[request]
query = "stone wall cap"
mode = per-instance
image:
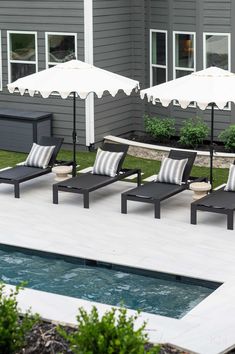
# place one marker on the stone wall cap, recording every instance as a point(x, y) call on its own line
point(164, 148)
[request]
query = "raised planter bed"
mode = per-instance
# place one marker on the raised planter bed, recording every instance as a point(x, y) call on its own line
point(44, 339)
point(157, 152)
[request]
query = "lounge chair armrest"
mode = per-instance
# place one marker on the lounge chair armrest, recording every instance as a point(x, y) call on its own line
point(220, 187)
point(193, 179)
point(125, 170)
point(64, 162)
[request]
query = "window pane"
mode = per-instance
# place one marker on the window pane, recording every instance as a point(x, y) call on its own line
point(22, 47)
point(159, 76)
point(184, 50)
point(159, 48)
point(181, 73)
point(21, 70)
point(217, 51)
point(61, 48)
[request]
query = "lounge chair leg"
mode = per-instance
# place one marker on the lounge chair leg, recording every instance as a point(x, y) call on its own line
point(86, 200)
point(55, 194)
point(157, 210)
point(123, 204)
point(230, 220)
point(139, 178)
point(17, 190)
point(193, 215)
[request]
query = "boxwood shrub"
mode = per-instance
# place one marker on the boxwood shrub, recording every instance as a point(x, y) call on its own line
point(13, 326)
point(162, 129)
point(228, 137)
point(112, 333)
point(193, 132)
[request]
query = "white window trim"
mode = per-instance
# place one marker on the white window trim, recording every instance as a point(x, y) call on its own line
point(58, 34)
point(217, 34)
point(150, 56)
point(194, 53)
point(21, 61)
point(228, 108)
point(192, 105)
point(0, 61)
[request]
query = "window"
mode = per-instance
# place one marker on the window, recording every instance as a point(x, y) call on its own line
point(184, 53)
point(217, 51)
point(158, 57)
point(60, 47)
point(22, 54)
point(0, 63)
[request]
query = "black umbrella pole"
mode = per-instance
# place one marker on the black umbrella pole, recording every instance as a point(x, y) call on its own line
point(74, 136)
point(212, 143)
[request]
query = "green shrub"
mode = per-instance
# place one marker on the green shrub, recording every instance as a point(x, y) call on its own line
point(159, 128)
point(228, 137)
point(113, 333)
point(13, 326)
point(193, 132)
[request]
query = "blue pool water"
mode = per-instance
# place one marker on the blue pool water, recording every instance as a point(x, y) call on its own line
point(152, 292)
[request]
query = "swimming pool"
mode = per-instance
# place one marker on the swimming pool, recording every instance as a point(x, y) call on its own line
point(149, 291)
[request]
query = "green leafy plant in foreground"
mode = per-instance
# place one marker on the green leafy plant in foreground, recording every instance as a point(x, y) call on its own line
point(161, 129)
point(228, 137)
point(13, 326)
point(113, 333)
point(193, 132)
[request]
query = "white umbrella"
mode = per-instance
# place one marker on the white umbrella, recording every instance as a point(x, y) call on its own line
point(210, 87)
point(73, 78)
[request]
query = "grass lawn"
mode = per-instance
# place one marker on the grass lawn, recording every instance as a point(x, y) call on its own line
point(85, 159)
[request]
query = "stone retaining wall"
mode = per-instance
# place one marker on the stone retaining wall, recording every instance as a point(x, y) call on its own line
point(222, 162)
point(154, 154)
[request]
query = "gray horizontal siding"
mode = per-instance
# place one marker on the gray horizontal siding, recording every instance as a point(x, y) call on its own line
point(217, 15)
point(113, 48)
point(197, 16)
point(140, 15)
point(44, 16)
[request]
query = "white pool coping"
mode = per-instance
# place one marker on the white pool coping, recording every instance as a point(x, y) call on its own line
point(164, 148)
point(168, 245)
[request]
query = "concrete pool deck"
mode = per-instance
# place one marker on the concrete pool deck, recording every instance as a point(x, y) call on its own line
point(170, 245)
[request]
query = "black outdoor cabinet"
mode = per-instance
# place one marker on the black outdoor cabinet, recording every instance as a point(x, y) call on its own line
point(19, 129)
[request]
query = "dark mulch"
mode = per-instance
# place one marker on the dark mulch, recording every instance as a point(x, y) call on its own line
point(168, 349)
point(174, 143)
point(44, 339)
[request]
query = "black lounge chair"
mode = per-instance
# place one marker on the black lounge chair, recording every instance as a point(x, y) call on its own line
point(86, 183)
point(156, 192)
point(19, 174)
point(219, 201)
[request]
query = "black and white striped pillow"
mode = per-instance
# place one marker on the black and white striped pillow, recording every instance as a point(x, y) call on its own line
point(230, 186)
point(171, 171)
point(39, 156)
point(106, 163)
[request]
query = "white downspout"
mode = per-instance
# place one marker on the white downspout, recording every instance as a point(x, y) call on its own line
point(89, 58)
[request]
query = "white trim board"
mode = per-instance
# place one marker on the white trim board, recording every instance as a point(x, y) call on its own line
point(89, 58)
